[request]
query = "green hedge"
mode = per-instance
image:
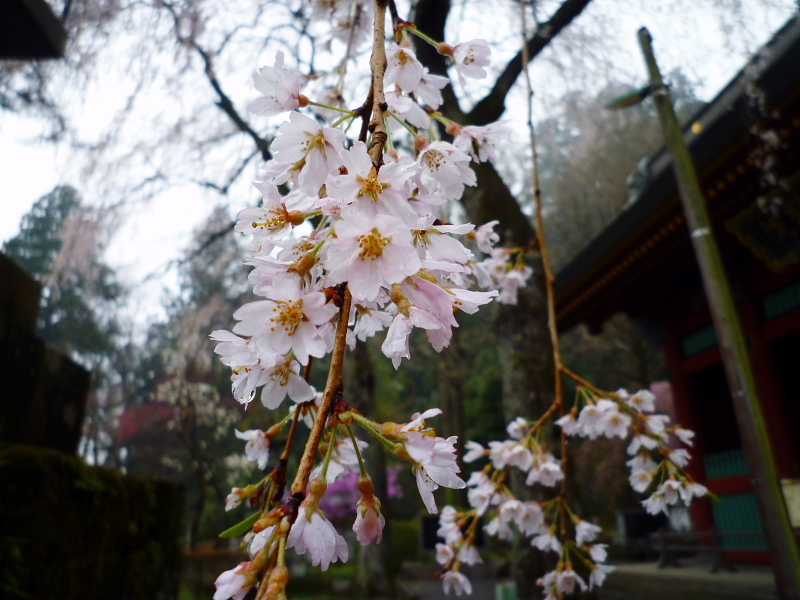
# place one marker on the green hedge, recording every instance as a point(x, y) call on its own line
point(68, 530)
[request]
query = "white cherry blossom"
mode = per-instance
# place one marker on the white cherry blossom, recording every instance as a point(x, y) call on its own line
point(643, 400)
point(456, 581)
point(444, 168)
point(369, 522)
point(233, 583)
point(474, 452)
point(257, 447)
point(598, 552)
point(448, 527)
point(281, 379)
point(567, 580)
point(307, 152)
point(469, 554)
point(486, 237)
point(408, 110)
point(434, 465)
point(315, 534)
point(684, 435)
point(273, 221)
point(370, 253)
point(480, 141)
point(288, 322)
point(640, 480)
point(402, 68)
point(374, 191)
point(585, 532)
point(546, 541)
point(598, 574)
point(240, 356)
point(469, 59)
point(545, 471)
point(280, 87)
point(430, 88)
point(444, 554)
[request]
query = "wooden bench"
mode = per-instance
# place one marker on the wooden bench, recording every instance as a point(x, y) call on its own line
point(670, 543)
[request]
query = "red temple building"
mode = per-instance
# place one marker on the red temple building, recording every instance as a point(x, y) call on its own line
point(746, 147)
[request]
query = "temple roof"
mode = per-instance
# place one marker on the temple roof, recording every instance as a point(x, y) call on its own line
point(29, 29)
point(651, 233)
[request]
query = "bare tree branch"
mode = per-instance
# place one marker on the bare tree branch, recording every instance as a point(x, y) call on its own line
point(431, 18)
point(224, 103)
point(492, 106)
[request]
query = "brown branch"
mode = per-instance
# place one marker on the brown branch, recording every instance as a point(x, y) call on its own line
point(492, 106)
point(431, 18)
point(582, 381)
point(224, 103)
point(332, 387)
point(377, 63)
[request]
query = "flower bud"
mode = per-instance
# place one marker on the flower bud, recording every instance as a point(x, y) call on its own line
point(365, 485)
point(296, 217)
point(390, 430)
point(446, 49)
point(318, 488)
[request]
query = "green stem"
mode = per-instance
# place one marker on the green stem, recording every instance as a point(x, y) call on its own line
point(281, 550)
point(389, 141)
point(329, 454)
point(358, 451)
point(366, 424)
point(362, 420)
point(403, 123)
point(442, 119)
point(422, 36)
point(336, 108)
point(342, 120)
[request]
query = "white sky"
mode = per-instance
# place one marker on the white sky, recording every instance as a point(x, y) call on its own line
point(156, 232)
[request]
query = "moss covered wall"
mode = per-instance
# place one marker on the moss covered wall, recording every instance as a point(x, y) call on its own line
point(68, 530)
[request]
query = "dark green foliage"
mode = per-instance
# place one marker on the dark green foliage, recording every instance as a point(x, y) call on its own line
point(74, 531)
point(77, 287)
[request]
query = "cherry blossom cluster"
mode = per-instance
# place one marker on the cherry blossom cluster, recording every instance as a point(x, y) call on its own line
point(657, 460)
point(351, 240)
point(552, 525)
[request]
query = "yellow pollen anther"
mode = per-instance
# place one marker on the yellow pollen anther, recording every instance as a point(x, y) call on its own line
point(372, 244)
point(434, 159)
point(371, 186)
point(290, 316)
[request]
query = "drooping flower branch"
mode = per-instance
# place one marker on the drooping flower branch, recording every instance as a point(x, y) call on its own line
point(553, 525)
point(377, 257)
point(381, 255)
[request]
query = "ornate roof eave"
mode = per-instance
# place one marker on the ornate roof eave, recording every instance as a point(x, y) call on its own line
point(654, 223)
point(30, 30)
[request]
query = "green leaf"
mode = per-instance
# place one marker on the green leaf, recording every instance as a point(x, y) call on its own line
point(241, 528)
point(628, 98)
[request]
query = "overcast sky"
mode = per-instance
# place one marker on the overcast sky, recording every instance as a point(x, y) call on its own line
point(156, 232)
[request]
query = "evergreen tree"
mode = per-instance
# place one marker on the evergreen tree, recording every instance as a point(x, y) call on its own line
point(59, 244)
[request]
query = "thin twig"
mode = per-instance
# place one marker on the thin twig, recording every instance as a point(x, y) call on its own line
point(582, 381)
point(549, 277)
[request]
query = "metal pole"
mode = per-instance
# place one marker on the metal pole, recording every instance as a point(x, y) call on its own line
point(732, 345)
